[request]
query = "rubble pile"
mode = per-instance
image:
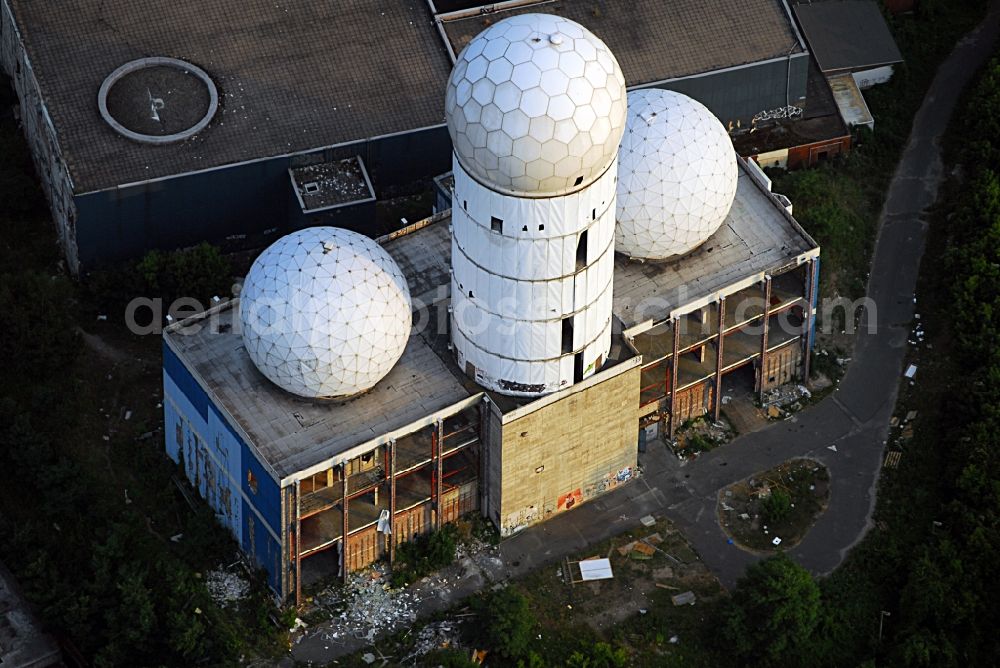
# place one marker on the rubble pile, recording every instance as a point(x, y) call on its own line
point(226, 588)
point(435, 636)
point(370, 605)
point(470, 547)
point(785, 399)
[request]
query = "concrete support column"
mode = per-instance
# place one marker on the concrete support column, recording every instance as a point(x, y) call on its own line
point(718, 359)
point(298, 543)
point(674, 364)
point(484, 456)
point(438, 470)
point(391, 536)
point(810, 313)
point(346, 530)
point(763, 338)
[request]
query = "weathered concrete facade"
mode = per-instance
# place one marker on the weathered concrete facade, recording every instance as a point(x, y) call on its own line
point(52, 170)
point(559, 451)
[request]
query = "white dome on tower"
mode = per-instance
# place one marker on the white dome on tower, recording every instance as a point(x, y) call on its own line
point(325, 313)
point(536, 106)
point(677, 175)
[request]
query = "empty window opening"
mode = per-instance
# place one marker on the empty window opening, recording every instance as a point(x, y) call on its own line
point(567, 335)
point(496, 224)
point(465, 204)
point(541, 227)
point(578, 367)
point(471, 296)
point(581, 251)
point(593, 214)
point(524, 228)
point(578, 181)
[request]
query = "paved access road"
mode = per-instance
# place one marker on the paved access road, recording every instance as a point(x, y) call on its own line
point(846, 431)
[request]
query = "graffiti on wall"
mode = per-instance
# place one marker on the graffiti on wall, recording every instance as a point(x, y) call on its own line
point(518, 520)
point(569, 499)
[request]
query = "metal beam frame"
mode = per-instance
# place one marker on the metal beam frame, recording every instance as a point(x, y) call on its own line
point(298, 543)
point(391, 536)
point(763, 338)
point(810, 313)
point(718, 359)
point(674, 363)
point(438, 471)
point(344, 542)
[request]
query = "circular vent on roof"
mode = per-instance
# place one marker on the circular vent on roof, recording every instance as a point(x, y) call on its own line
point(158, 100)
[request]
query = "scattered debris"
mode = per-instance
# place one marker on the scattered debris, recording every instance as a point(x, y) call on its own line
point(647, 521)
point(687, 598)
point(911, 371)
point(786, 399)
point(776, 541)
point(368, 604)
point(642, 551)
point(596, 569)
point(226, 588)
point(892, 459)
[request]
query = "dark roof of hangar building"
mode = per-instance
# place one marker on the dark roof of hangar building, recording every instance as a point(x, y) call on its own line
point(655, 40)
point(295, 76)
point(847, 34)
point(291, 75)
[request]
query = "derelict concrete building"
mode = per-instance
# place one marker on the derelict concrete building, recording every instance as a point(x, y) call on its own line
point(322, 108)
point(291, 478)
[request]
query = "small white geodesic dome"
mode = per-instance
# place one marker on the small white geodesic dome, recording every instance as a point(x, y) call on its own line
point(536, 106)
point(325, 313)
point(677, 175)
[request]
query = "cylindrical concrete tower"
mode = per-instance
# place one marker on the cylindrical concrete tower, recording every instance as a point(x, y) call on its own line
point(536, 109)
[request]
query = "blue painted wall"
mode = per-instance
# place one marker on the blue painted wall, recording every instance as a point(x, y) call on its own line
point(219, 464)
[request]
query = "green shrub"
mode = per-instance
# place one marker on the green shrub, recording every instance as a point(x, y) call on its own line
point(424, 554)
point(772, 614)
point(448, 658)
point(602, 655)
point(200, 273)
point(776, 507)
point(507, 622)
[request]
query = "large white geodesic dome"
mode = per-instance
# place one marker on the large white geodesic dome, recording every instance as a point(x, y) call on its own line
point(536, 106)
point(325, 313)
point(677, 175)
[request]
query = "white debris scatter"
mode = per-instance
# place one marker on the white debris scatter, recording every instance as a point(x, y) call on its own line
point(789, 397)
point(226, 588)
point(369, 604)
point(434, 636)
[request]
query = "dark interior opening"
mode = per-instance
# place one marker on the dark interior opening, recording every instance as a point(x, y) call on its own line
point(578, 367)
point(567, 335)
point(581, 251)
point(496, 224)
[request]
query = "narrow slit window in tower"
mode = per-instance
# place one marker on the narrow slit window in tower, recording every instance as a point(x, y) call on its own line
point(567, 335)
point(581, 251)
